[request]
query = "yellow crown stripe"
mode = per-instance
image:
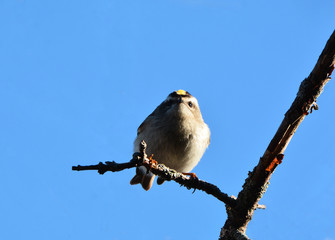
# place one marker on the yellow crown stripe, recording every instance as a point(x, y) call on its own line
point(181, 92)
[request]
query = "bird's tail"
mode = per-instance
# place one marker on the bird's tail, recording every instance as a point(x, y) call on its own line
point(144, 177)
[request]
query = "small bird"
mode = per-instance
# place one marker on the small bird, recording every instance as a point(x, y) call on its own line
point(175, 134)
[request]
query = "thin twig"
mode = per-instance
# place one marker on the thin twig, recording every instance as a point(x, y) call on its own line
point(164, 172)
point(107, 166)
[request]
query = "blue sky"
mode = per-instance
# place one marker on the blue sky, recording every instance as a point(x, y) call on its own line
point(78, 77)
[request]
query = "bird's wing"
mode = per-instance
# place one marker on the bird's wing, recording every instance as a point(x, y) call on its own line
point(144, 124)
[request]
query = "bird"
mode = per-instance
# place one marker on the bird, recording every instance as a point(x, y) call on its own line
point(176, 135)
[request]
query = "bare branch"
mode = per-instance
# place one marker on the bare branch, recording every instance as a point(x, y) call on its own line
point(257, 182)
point(164, 172)
point(240, 210)
point(108, 166)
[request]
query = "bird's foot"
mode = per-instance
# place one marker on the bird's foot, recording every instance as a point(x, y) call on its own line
point(192, 175)
point(153, 163)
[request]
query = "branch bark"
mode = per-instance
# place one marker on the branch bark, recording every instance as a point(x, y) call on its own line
point(257, 182)
point(164, 172)
point(240, 210)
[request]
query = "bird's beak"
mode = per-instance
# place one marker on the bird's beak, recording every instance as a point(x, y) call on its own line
point(180, 100)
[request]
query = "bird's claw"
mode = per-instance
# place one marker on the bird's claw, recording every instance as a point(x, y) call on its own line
point(192, 175)
point(153, 163)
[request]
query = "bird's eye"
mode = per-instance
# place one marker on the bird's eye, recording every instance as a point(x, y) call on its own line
point(190, 104)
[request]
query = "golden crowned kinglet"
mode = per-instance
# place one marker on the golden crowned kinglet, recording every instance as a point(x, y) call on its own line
point(175, 133)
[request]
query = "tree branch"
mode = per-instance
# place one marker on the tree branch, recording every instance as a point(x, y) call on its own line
point(257, 182)
point(164, 172)
point(108, 166)
point(240, 210)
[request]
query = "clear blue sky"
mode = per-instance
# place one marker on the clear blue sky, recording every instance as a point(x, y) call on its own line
point(78, 77)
